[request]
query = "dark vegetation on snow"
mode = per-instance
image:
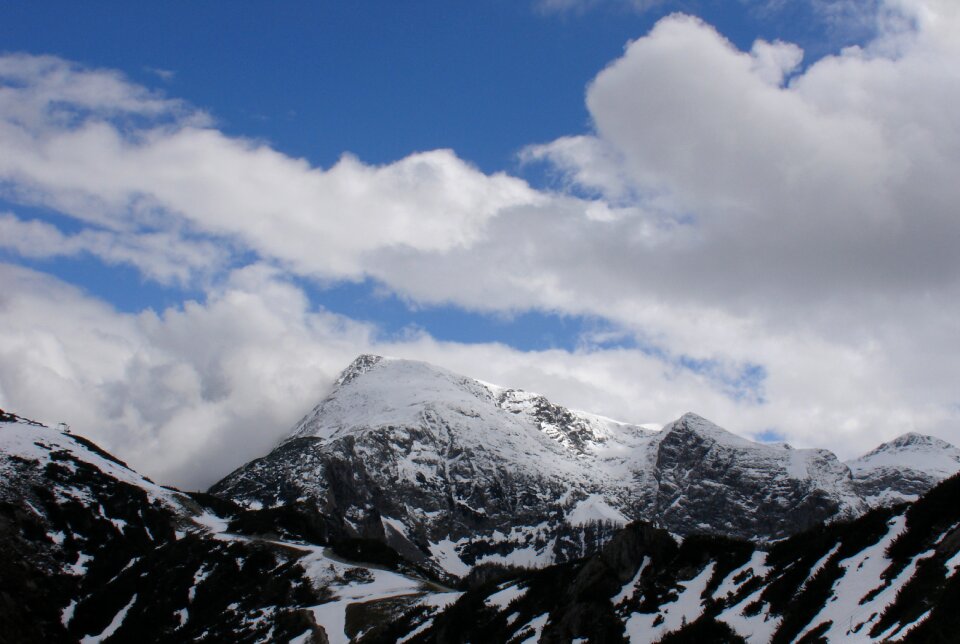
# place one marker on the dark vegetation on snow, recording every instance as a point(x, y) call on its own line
point(930, 527)
point(577, 595)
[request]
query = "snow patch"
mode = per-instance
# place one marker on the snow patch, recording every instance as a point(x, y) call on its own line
point(595, 508)
point(501, 599)
point(754, 568)
point(687, 607)
point(445, 553)
point(631, 586)
point(67, 614)
point(756, 629)
point(79, 567)
point(537, 624)
point(113, 626)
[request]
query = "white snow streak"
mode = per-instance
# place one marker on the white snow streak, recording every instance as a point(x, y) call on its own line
point(112, 627)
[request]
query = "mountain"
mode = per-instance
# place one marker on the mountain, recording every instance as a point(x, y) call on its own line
point(453, 472)
point(91, 551)
point(413, 503)
point(447, 468)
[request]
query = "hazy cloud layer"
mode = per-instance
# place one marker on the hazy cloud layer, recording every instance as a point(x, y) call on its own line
point(730, 209)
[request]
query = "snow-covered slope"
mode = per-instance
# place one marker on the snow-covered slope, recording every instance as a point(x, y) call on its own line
point(30, 452)
point(459, 472)
point(392, 396)
point(889, 576)
point(447, 468)
point(91, 551)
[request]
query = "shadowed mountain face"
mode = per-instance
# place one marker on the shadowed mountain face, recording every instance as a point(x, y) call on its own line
point(454, 472)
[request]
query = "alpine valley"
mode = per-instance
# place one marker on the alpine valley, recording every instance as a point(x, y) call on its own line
point(415, 504)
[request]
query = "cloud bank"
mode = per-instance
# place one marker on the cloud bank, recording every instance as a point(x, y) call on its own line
point(777, 240)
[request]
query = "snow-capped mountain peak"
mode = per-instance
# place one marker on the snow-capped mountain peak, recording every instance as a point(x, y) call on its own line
point(473, 472)
point(913, 442)
point(914, 451)
point(375, 391)
point(694, 425)
point(904, 468)
point(376, 394)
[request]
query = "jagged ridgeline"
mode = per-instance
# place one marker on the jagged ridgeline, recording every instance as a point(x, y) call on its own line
point(453, 472)
point(413, 503)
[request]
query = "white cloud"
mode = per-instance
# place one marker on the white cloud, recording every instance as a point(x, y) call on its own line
point(165, 257)
point(773, 62)
point(831, 189)
point(47, 89)
point(185, 395)
point(166, 75)
point(66, 146)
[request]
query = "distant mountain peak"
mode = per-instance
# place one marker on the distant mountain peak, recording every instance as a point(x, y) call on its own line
point(694, 425)
point(469, 471)
point(913, 440)
point(905, 467)
point(911, 443)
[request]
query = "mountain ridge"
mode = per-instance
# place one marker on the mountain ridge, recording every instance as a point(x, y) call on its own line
point(466, 472)
point(91, 551)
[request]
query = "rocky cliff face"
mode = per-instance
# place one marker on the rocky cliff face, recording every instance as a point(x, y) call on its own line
point(715, 482)
point(458, 472)
point(448, 467)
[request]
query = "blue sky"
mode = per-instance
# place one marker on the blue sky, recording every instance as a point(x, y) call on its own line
point(743, 213)
point(384, 79)
point(379, 80)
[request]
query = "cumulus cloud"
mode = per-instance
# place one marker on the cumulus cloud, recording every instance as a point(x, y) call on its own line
point(832, 188)
point(186, 394)
point(69, 144)
point(165, 257)
point(739, 216)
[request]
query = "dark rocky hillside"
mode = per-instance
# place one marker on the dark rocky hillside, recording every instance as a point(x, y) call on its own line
point(889, 575)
